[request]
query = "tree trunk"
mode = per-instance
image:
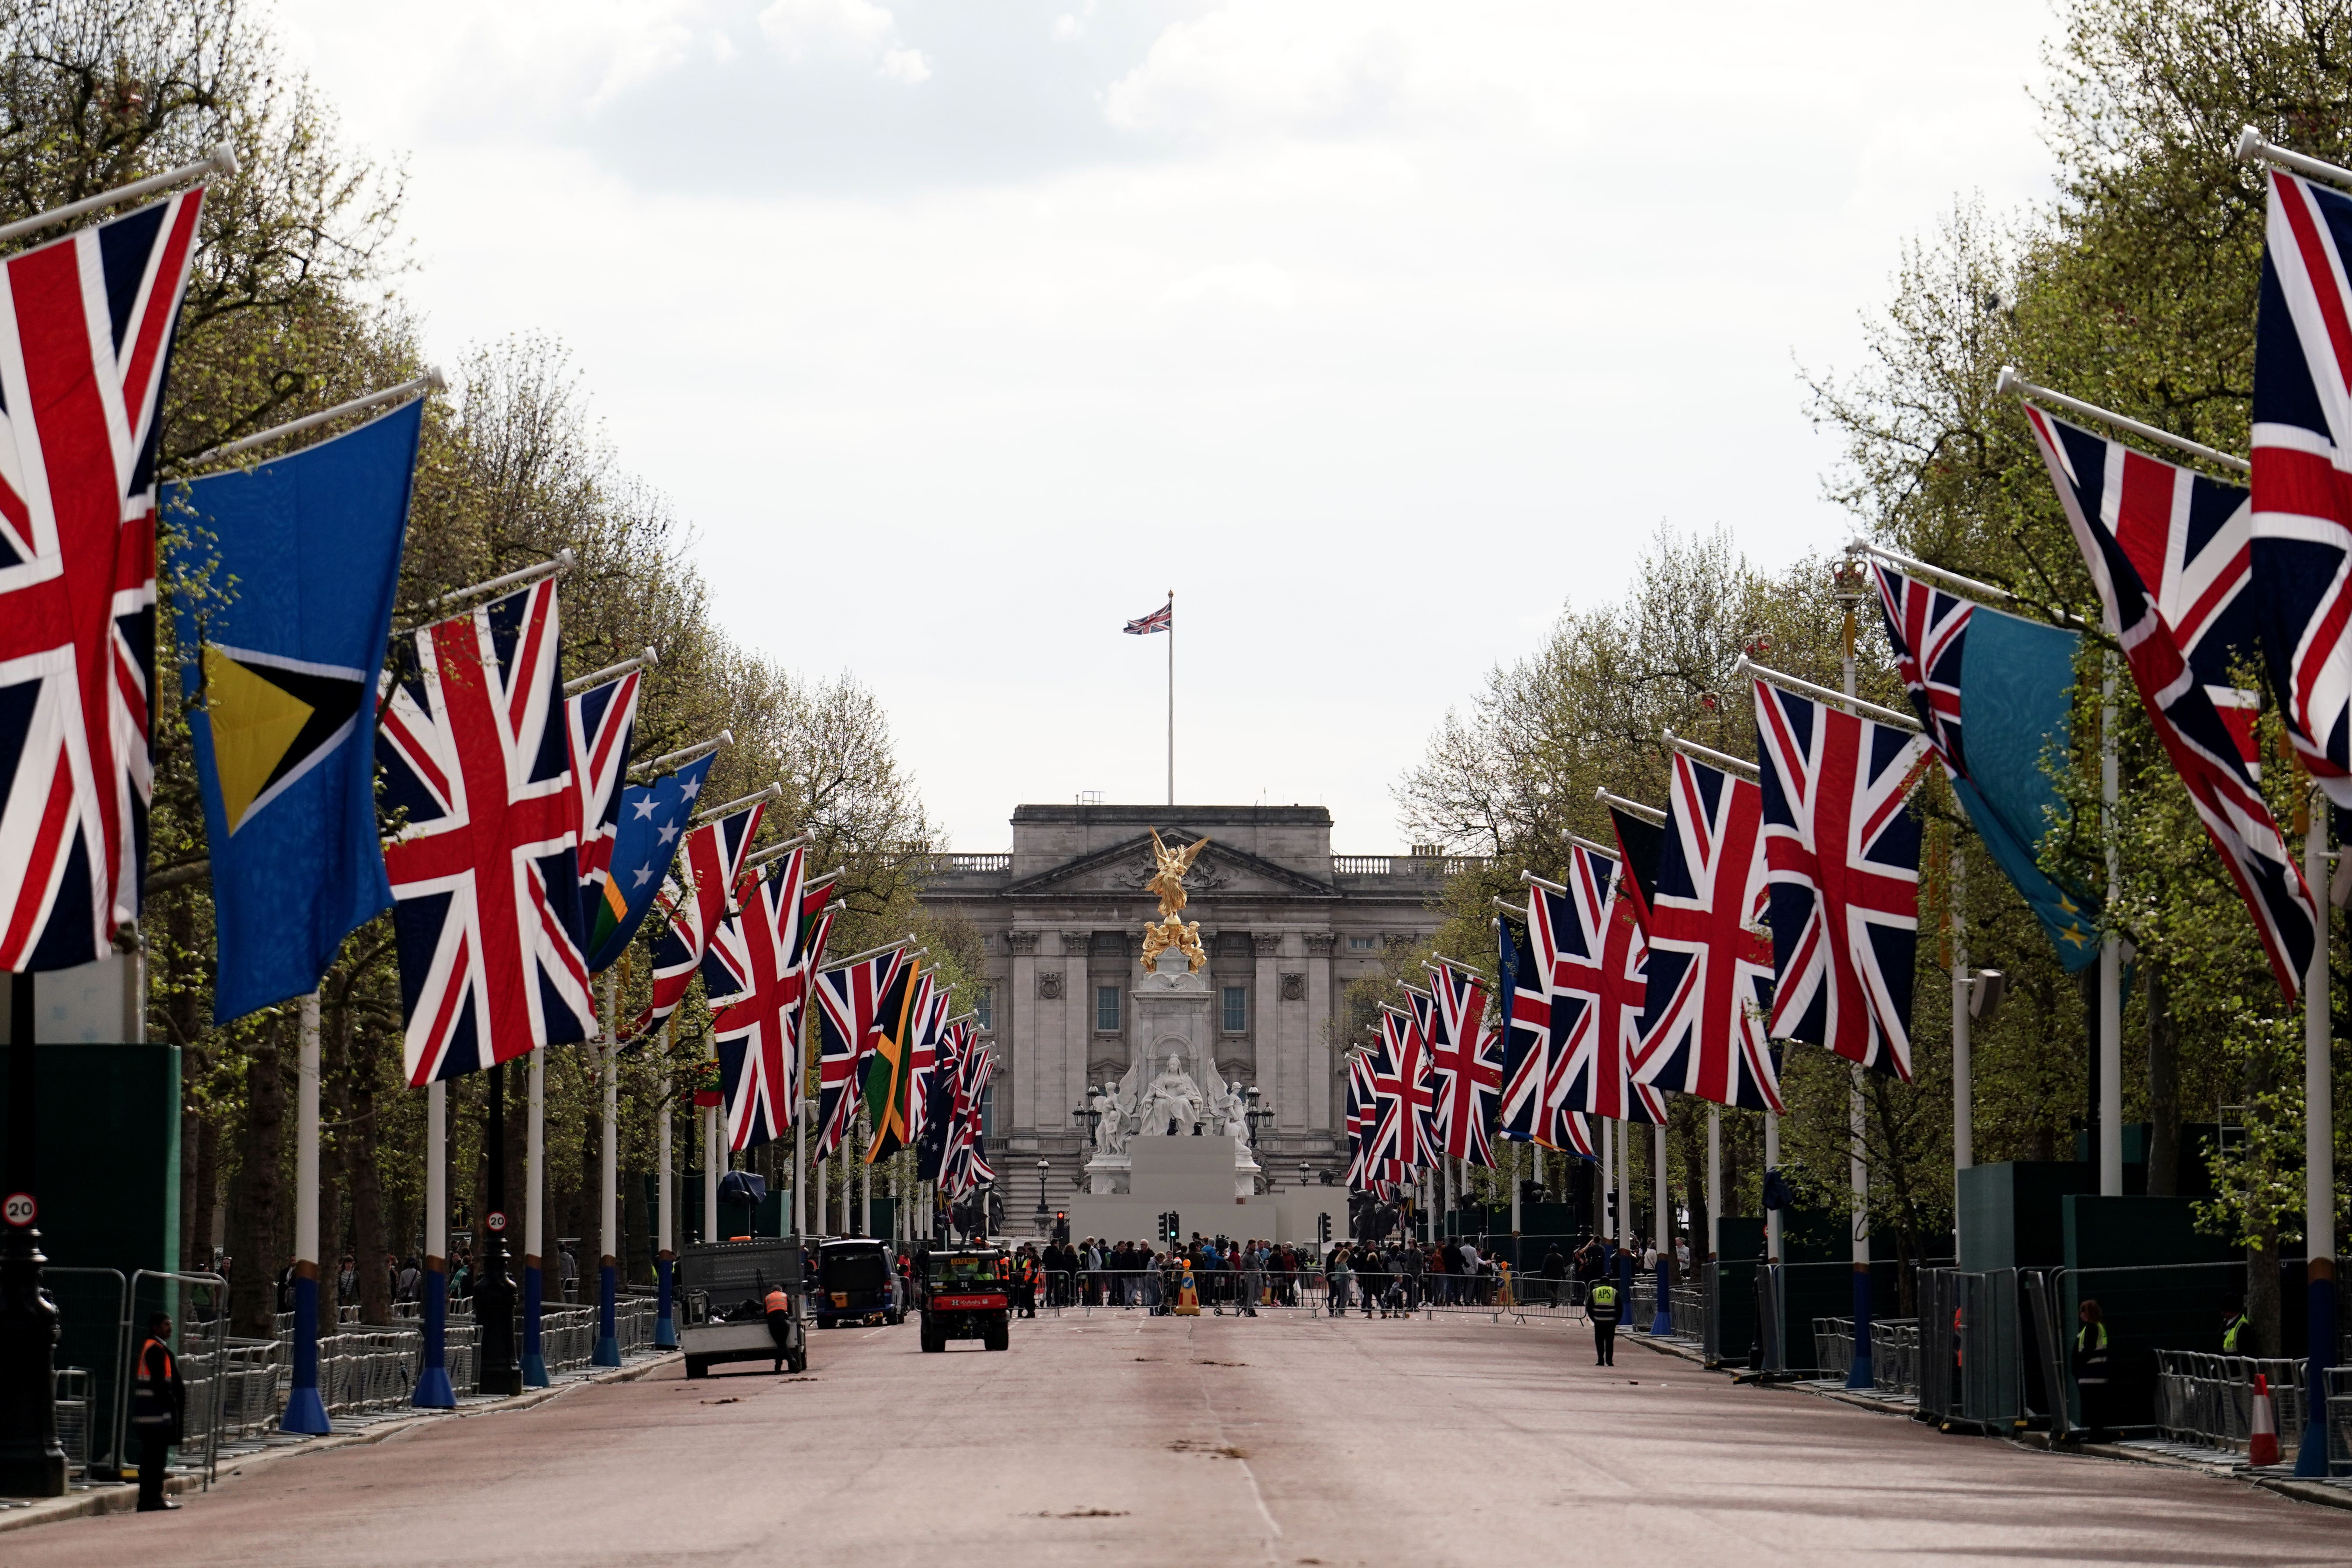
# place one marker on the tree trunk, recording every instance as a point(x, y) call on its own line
point(201, 1148)
point(258, 1224)
point(2263, 1292)
point(2163, 1092)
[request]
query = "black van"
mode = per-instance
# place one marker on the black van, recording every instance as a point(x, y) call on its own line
point(856, 1282)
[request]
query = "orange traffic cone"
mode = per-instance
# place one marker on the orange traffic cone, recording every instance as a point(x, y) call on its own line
point(2262, 1446)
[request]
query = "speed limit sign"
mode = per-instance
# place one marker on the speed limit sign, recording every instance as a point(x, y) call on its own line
point(19, 1209)
point(496, 1219)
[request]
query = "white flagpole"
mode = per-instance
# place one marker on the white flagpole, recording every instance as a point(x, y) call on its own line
point(1714, 1182)
point(665, 1243)
point(1963, 1085)
point(1172, 697)
point(1861, 1372)
point(534, 1224)
point(2111, 961)
point(800, 1158)
point(305, 1412)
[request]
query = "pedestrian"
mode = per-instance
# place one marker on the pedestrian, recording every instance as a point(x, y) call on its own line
point(1555, 1274)
point(1601, 1306)
point(2091, 1370)
point(2233, 1328)
point(159, 1411)
point(778, 1310)
point(1338, 1276)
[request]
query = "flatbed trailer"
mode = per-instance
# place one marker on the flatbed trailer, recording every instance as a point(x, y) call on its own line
point(721, 1288)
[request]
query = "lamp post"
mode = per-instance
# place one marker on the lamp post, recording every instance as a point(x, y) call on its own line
point(31, 1462)
point(1254, 1113)
point(1045, 1213)
point(497, 1371)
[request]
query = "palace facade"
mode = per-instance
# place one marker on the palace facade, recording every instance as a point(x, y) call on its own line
point(1286, 923)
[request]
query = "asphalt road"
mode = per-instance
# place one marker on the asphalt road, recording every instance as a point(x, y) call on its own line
point(1125, 1440)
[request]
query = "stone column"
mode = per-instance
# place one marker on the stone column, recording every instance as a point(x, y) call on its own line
point(1079, 1035)
point(1019, 1030)
point(1319, 1028)
point(1274, 1074)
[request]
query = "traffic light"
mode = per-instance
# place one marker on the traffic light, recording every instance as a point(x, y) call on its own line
point(1323, 1228)
point(1062, 1226)
point(1175, 1230)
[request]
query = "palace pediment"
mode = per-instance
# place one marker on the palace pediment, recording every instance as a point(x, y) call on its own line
point(1122, 869)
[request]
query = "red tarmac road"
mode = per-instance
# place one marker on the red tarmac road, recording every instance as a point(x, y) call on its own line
point(1192, 1442)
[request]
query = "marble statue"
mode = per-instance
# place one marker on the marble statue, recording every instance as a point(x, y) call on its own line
point(1233, 1111)
point(1173, 1096)
point(1110, 1130)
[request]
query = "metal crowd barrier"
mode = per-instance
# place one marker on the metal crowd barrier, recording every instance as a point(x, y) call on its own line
point(221, 1375)
point(1895, 1355)
point(367, 1368)
point(1833, 1348)
point(1971, 1366)
point(2210, 1398)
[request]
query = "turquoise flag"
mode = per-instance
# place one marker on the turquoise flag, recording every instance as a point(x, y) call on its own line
point(1996, 693)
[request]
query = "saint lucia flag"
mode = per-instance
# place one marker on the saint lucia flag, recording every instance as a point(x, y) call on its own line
point(653, 820)
point(284, 576)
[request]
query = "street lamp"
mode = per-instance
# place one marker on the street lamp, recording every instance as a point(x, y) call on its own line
point(1092, 1119)
point(1255, 1114)
point(1043, 1167)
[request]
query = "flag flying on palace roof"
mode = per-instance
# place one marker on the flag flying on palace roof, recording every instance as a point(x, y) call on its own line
point(485, 864)
point(1993, 691)
point(1159, 620)
point(287, 574)
point(2169, 552)
point(87, 324)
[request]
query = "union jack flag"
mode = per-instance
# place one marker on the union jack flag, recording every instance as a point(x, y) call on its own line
point(603, 719)
point(1162, 619)
point(1928, 628)
point(1467, 1065)
point(2141, 522)
point(2301, 544)
point(1841, 849)
point(1529, 1021)
point(485, 869)
point(696, 901)
point(851, 1001)
point(966, 1166)
point(85, 332)
point(1710, 971)
point(1600, 961)
point(1403, 1099)
point(1359, 1122)
point(756, 983)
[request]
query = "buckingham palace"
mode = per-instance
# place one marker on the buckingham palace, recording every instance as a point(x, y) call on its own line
point(1285, 925)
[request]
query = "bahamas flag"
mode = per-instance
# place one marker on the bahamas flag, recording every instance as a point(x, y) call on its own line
point(1995, 692)
point(284, 577)
point(890, 1074)
point(653, 823)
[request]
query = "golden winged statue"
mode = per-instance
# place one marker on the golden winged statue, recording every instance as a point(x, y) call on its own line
point(1168, 882)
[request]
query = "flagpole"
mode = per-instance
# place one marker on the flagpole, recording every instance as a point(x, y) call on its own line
point(608, 1339)
point(2111, 957)
point(1860, 1372)
point(535, 1224)
point(666, 1252)
point(1172, 697)
point(2319, 1155)
point(433, 1391)
point(1963, 1079)
point(800, 1156)
point(305, 1412)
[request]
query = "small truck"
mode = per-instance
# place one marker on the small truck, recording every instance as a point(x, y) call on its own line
point(722, 1313)
point(966, 1297)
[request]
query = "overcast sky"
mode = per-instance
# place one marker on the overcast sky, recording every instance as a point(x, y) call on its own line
point(962, 332)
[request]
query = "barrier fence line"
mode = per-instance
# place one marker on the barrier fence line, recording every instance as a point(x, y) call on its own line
point(1331, 1293)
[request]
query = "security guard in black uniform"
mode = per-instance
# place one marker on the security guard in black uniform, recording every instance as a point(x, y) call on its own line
point(1602, 1308)
point(159, 1410)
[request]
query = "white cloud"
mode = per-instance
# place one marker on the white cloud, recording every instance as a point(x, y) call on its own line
point(854, 29)
point(1258, 284)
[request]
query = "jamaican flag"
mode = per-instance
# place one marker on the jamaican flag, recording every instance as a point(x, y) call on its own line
point(890, 1070)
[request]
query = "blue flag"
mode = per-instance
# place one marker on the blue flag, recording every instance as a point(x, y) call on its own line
point(653, 820)
point(284, 580)
point(1994, 692)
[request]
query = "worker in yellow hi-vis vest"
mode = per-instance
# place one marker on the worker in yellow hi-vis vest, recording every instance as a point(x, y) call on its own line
point(1188, 1296)
point(1602, 1308)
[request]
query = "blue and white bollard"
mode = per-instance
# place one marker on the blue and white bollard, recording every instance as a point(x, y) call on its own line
point(433, 1391)
point(306, 1413)
point(608, 1335)
point(1662, 1321)
point(665, 1311)
point(534, 1300)
point(1861, 1375)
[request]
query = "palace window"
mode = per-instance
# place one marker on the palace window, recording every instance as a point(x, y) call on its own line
point(980, 1006)
point(1107, 1009)
point(1236, 1009)
point(1359, 944)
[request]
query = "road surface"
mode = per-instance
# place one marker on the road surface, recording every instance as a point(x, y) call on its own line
point(1192, 1442)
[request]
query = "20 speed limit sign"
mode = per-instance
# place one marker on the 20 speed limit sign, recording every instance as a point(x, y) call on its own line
point(19, 1209)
